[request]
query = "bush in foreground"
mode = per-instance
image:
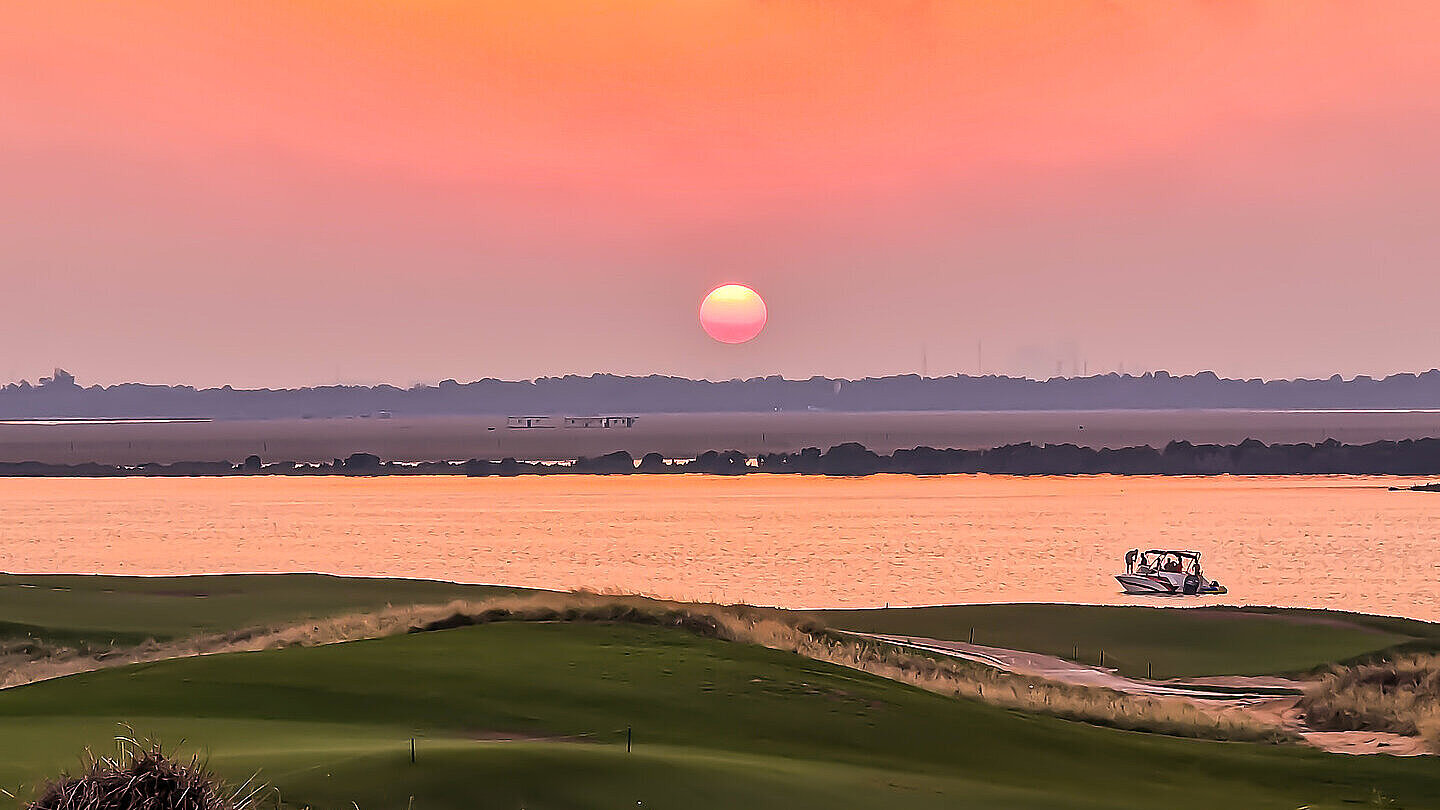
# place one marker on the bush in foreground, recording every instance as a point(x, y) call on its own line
point(141, 776)
point(1400, 696)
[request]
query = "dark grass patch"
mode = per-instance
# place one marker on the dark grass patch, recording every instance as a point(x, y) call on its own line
point(619, 613)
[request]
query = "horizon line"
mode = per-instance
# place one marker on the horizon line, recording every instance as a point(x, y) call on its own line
point(62, 380)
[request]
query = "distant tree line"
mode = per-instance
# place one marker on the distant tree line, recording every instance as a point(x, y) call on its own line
point(1250, 457)
point(60, 396)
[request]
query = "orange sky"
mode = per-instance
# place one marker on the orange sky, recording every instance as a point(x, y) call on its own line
point(1244, 186)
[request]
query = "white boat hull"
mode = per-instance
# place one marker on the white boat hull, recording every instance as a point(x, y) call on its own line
point(1147, 584)
point(1165, 583)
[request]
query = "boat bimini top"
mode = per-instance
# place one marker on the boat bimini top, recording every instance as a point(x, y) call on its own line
point(1159, 559)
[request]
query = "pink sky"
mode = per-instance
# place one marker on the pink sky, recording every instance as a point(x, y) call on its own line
point(281, 193)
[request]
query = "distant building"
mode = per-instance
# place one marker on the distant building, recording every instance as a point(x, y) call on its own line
point(600, 421)
point(524, 422)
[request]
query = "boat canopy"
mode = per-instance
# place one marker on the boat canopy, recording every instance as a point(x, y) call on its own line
point(1195, 555)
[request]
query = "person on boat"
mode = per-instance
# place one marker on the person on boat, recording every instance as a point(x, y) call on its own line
point(1173, 566)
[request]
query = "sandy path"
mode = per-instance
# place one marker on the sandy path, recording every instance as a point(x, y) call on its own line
point(1230, 689)
point(1271, 699)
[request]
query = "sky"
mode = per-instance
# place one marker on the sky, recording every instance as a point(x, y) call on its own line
point(296, 192)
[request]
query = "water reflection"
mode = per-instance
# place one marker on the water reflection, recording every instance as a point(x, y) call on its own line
point(1335, 542)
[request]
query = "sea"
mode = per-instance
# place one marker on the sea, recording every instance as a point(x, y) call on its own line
point(1339, 542)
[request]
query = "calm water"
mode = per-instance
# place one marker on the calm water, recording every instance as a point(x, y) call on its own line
point(784, 540)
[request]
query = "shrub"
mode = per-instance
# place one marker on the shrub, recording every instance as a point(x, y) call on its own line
point(1401, 696)
point(141, 776)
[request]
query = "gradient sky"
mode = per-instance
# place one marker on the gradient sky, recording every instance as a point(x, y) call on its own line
point(283, 192)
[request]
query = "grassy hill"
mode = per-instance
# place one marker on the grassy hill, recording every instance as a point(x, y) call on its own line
point(73, 608)
point(530, 715)
point(108, 611)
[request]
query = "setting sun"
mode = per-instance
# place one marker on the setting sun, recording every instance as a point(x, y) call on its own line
point(733, 313)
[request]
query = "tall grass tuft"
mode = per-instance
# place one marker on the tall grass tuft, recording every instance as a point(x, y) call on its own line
point(1401, 696)
point(142, 776)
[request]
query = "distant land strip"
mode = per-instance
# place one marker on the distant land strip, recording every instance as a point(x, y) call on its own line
point(61, 397)
point(1250, 457)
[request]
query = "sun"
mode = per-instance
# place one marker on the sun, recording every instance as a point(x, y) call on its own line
point(733, 313)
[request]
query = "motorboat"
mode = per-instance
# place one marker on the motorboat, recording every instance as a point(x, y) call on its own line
point(1161, 572)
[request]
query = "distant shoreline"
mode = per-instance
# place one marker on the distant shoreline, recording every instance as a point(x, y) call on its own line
point(1251, 457)
point(676, 436)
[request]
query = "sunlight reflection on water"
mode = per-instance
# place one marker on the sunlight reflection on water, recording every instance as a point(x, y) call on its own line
point(1335, 542)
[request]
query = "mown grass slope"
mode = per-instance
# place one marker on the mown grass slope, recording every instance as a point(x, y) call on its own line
point(1170, 642)
point(74, 608)
point(529, 715)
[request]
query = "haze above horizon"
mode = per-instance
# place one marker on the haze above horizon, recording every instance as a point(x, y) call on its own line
point(304, 193)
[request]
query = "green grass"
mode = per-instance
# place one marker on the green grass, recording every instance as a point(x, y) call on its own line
point(717, 725)
point(1172, 642)
point(70, 609)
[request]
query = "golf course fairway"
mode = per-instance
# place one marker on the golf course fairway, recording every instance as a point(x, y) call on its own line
point(518, 715)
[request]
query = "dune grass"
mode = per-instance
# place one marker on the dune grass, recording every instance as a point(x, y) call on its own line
point(1169, 642)
point(142, 775)
point(1400, 696)
point(521, 714)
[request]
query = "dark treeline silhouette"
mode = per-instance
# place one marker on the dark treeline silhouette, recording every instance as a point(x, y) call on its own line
point(61, 396)
point(1251, 457)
